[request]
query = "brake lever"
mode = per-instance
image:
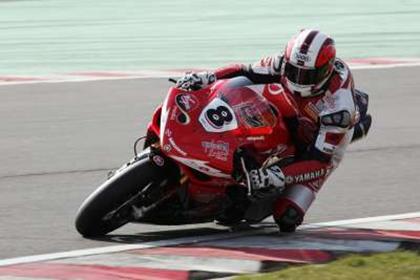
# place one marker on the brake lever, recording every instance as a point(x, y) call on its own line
point(172, 80)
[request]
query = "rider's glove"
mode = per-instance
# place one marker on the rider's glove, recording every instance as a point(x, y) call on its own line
point(265, 177)
point(196, 81)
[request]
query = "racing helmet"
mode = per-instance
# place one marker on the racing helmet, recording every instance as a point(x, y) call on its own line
point(308, 62)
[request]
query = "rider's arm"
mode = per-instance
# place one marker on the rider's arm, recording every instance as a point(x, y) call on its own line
point(333, 136)
point(265, 71)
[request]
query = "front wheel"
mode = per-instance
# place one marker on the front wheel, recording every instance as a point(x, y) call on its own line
point(103, 211)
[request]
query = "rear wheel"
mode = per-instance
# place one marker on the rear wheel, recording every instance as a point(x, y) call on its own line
point(108, 208)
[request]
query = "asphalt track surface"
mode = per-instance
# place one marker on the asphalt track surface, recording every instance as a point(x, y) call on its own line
point(58, 140)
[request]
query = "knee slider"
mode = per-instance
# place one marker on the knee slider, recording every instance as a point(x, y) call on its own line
point(290, 208)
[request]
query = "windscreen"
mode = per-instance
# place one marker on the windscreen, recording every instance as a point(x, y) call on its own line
point(251, 109)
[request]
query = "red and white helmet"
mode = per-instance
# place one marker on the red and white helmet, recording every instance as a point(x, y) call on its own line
point(308, 62)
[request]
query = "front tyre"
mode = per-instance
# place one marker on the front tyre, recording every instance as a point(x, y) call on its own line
point(95, 216)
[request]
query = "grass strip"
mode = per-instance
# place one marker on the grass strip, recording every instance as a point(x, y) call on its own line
point(401, 265)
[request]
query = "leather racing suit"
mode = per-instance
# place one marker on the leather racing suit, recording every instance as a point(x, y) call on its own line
point(331, 114)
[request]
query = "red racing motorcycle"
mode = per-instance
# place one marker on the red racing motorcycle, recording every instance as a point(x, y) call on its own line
point(191, 167)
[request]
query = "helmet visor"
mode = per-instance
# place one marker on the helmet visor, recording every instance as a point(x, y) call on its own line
point(305, 76)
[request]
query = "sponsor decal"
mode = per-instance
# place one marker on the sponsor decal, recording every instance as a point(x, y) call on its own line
point(216, 149)
point(313, 111)
point(186, 102)
point(275, 89)
point(256, 138)
point(302, 57)
point(305, 177)
point(158, 160)
point(168, 147)
point(251, 116)
point(201, 166)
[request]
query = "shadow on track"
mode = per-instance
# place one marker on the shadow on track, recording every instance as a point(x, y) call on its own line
point(177, 233)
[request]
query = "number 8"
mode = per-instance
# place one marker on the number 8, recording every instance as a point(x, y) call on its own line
point(219, 116)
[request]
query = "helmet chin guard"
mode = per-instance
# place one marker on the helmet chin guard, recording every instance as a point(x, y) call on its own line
point(305, 90)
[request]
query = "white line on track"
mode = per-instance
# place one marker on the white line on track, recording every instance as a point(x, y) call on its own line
point(383, 66)
point(80, 80)
point(365, 220)
point(156, 75)
point(194, 239)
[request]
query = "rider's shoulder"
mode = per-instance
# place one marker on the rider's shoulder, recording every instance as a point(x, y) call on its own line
point(342, 79)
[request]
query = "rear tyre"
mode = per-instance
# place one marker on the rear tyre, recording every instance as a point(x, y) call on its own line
point(91, 219)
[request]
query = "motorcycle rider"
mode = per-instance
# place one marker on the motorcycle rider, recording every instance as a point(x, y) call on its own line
point(323, 114)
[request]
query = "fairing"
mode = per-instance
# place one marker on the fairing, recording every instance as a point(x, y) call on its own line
point(202, 129)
